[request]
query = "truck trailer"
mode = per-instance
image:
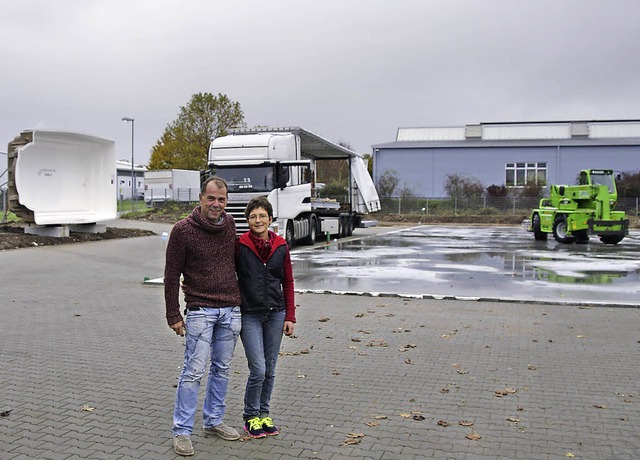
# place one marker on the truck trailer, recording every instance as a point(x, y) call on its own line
point(162, 185)
point(280, 163)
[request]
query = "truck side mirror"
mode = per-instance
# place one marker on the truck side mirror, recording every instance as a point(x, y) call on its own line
point(282, 176)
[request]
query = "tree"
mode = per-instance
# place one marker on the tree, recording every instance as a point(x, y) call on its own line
point(328, 171)
point(461, 186)
point(497, 191)
point(387, 183)
point(185, 142)
point(628, 184)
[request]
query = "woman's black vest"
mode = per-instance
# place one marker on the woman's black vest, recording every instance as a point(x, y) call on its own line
point(261, 284)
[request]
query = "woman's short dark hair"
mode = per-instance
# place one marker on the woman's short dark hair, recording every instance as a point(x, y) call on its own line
point(260, 202)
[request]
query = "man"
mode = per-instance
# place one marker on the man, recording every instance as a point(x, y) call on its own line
point(201, 249)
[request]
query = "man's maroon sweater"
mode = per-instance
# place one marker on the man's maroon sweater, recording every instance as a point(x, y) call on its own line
point(204, 254)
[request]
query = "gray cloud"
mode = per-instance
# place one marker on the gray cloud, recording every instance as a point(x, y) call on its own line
point(352, 71)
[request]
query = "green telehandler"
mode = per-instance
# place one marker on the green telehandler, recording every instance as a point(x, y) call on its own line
point(573, 212)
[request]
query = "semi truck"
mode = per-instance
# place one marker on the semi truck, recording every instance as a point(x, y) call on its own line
point(280, 163)
point(573, 212)
point(171, 185)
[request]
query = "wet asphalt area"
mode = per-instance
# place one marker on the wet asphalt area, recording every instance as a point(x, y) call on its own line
point(491, 263)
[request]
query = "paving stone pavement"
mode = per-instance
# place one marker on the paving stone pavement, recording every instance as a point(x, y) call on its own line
point(88, 369)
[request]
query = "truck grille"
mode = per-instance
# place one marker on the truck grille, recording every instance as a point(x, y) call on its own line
point(236, 209)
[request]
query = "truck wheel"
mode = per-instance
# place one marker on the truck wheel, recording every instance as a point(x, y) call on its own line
point(538, 234)
point(349, 226)
point(611, 239)
point(313, 230)
point(560, 232)
point(289, 235)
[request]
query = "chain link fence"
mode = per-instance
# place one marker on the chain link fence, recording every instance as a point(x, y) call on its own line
point(479, 206)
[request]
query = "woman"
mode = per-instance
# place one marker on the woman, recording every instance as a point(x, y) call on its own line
point(265, 276)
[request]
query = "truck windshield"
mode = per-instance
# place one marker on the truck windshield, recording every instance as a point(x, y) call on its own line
point(603, 179)
point(247, 178)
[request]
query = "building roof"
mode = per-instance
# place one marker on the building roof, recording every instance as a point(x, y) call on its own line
point(593, 132)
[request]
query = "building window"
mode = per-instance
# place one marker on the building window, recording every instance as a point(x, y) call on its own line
point(521, 174)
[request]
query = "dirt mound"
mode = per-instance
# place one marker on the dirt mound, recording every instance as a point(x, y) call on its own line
point(12, 236)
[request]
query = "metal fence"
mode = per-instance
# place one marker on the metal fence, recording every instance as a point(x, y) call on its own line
point(482, 205)
point(185, 194)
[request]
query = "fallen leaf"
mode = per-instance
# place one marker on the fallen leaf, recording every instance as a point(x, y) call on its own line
point(371, 424)
point(473, 436)
point(505, 392)
point(364, 332)
point(569, 454)
point(531, 367)
point(580, 336)
point(599, 406)
point(361, 315)
point(88, 408)
point(380, 417)
point(301, 376)
point(5, 413)
point(406, 415)
point(443, 423)
point(462, 372)
point(353, 438)
point(513, 419)
point(418, 417)
point(408, 361)
point(465, 423)
point(323, 320)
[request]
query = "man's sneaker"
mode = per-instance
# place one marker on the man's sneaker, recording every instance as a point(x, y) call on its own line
point(223, 431)
point(182, 445)
point(253, 427)
point(269, 427)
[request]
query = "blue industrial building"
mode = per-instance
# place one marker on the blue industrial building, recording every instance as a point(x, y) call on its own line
point(511, 154)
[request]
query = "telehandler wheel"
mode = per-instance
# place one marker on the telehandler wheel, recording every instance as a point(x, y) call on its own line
point(560, 232)
point(611, 239)
point(538, 234)
point(582, 236)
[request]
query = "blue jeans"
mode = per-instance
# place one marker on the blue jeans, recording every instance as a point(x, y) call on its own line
point(261, 337)
point(212, 334)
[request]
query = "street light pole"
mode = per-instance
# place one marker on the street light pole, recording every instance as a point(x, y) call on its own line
point(133, 177)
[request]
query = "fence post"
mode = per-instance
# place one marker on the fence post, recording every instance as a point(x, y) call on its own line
point(455, 205)
point(514, 206)
point(399, 204)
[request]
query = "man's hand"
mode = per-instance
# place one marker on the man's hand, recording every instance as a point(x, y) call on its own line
point(288, 328)
point(178, 328)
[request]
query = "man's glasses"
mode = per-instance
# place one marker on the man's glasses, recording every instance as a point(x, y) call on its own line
point(258, 216)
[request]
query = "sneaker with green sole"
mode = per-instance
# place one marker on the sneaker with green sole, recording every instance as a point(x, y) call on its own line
point(269, 427)
point(253, 427)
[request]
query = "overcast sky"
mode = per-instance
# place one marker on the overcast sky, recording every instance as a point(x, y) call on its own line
point(350, 70)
